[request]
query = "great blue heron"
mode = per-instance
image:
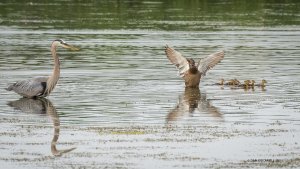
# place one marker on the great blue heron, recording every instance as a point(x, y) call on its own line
point(188, 70)
point(41, 86)
point(42, 106)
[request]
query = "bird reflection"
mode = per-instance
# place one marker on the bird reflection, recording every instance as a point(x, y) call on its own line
point(190, 101)
point(42, 106)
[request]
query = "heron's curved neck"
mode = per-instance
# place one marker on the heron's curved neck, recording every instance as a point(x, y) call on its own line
point(53, 79)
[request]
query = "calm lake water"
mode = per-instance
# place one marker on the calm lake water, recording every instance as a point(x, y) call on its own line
point(119, 102)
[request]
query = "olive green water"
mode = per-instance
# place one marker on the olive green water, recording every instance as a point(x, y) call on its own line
point(119, 102)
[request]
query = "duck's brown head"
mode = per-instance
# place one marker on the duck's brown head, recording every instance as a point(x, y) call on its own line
point(191, 62)
point(193, 69)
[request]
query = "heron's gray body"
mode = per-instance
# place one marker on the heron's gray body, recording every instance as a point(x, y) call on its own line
point(30, 88)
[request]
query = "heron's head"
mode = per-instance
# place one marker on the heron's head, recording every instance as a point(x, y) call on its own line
point(62, 43)
point(191, 62)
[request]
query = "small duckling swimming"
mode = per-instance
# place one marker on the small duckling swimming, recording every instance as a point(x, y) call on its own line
point(230, 82)
point(252, 84)
point(246, 84)
point(221, 82)
point(236, 82)
point(262, 84)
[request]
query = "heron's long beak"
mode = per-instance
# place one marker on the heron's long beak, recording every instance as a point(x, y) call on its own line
point(67, 46)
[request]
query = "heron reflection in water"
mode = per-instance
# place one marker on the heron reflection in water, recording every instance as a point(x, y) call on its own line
point(42, 106)
point(190, 101)
point(42, 86)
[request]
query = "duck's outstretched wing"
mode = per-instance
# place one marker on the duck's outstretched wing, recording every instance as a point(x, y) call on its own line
point(178, 60)
point(210, 61)
point(29, 88)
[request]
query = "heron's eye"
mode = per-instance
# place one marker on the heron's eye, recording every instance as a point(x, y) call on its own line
point(62, 42)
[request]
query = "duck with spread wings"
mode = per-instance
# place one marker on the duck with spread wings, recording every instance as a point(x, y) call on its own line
point(188, 69)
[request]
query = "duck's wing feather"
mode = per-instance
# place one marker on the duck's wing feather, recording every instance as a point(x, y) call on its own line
point(30, 88)
point(210, 61)
point(178, 60)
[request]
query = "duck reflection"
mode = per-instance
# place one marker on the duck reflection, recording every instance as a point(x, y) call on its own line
point(190, 101)
point(42, 106)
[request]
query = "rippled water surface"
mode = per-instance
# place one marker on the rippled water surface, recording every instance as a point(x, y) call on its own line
point(119, 102)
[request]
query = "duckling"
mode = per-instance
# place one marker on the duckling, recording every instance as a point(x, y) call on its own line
point(236, 82)
point(230, 82)
point(246, 84)
point(252, 84)
point(262, 84)
point(221, 82)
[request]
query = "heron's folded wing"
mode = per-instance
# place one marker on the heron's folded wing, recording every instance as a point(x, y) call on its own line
point(178, 60)
point(209, 62)
point(31, 87)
